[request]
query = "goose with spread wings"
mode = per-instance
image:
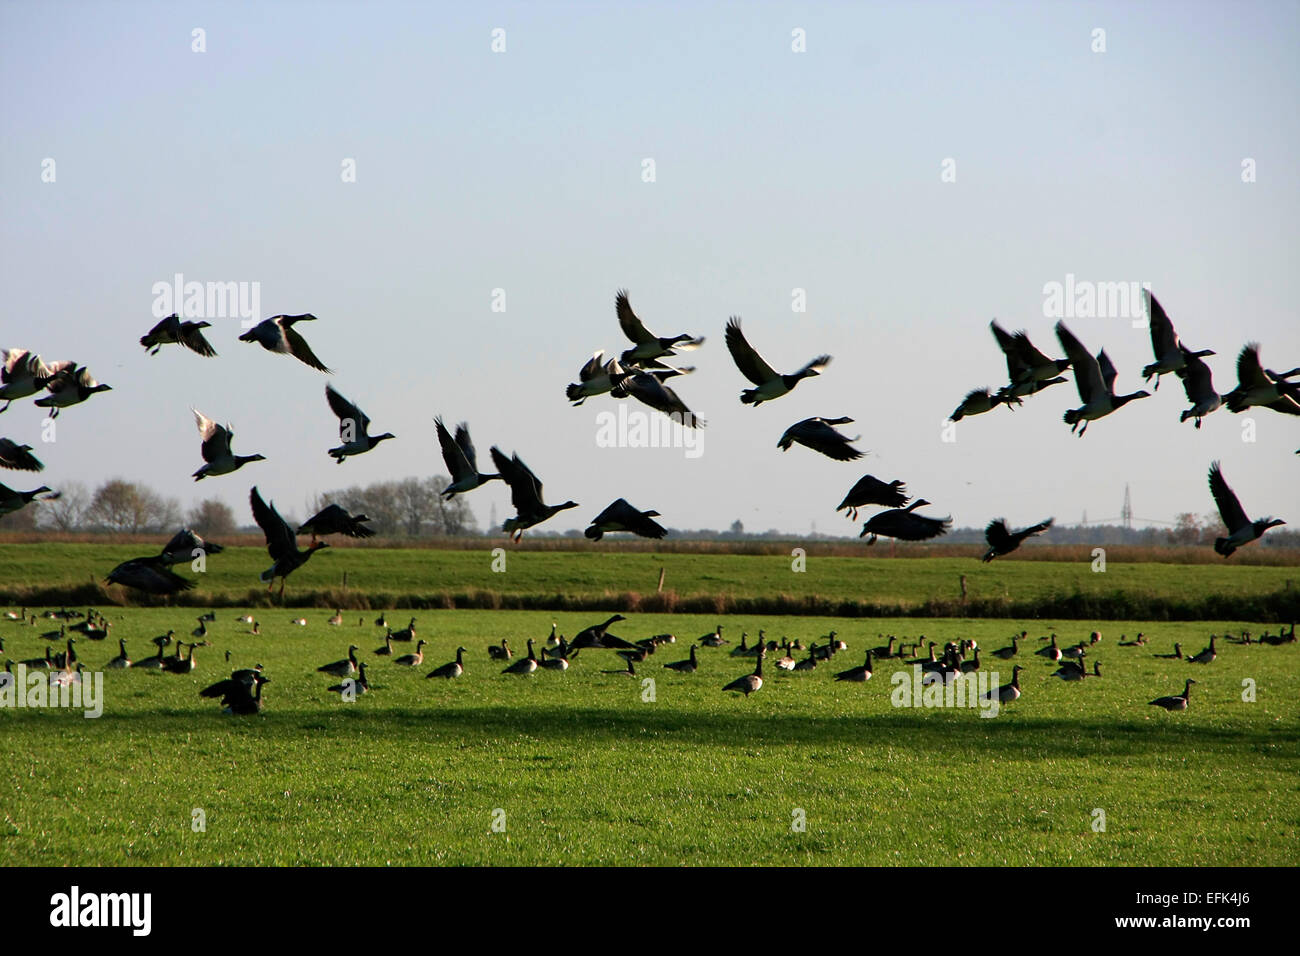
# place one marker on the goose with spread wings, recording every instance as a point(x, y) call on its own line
point(647, 348)
point(525, 494)
point(1258, 386)
point(648, 389)
point(621, 516)
point(277, 334)
point(280, 543)
point(1002, 540)
point(333, 519)
point(1198, 383)
point(18, 457)
point(1170, 354)
point(598, 377)
point(1095, 380)
point(215, 448)
point(461, 460)
point(1241, 530)
point(149, 574)
point(11, 501)
point(819, 434)
point(173, 331)
point(24, 374)
point(872, 491)
point(770, 383)
point(1028, 369)
point(68, 387)
point(354, 428)
point(905, 525)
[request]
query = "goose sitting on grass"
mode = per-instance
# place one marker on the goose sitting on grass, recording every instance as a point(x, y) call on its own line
point(413, 660)
point(277, 334)
point(870, 490)
point(356, 686)
point(1241, 530)
point(1007, 692)
point(280, 543)
point(687, 666)
point(525, 665)
point(218, 459)
point(344, 668)
point(452, 669)
point(621, 516)
point(525, 495)
point(500, 652)
point(905, 525)
point(1206, 656)
point(354, 428)
point(820, 435)
point(1176, 701)
point(69, 387)
point(123, 660)
point(770, 383)
point(857, 674)
point(173, 331)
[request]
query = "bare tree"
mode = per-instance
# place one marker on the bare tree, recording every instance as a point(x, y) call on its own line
point(212, 516)
point(126, 506)
point(68, 511)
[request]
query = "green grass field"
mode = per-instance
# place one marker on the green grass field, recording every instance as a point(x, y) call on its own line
point(587, 772)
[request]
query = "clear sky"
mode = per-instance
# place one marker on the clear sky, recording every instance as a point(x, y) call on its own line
point(775, 170)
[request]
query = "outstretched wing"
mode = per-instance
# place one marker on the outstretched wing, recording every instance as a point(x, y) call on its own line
point(1197, 380)
point(1107, 367)
point(1087, 373)
point(628, 322)
point(592, 368)
point(215, 438)
point(298, 346)
point(1163, 339)
point(192, 338)
point(467, 446)
point(525, 489)
point(347, 412)
point(998, 535)
point(453, 454)
point(1249, 372)
point(1230, 509)
point(1016, 366)
point(279, 536)
point(749, 362)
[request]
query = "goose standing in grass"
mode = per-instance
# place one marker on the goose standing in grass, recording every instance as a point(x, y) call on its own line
point(18, 457)
point(344, 668)
point(687, 666)
point(750, 682)
point(870, 490)
point(500, 652)
point(461, 459)
point(1206, 656)
point(122, 660)
point(597, 637)
point(648, 389)
point(1007, 692)
point(857, 674)
point(451, 669)
point(1258, 386)
point(185, 545)
point(621, 516)
point(24, 374)
point(149, 574)
point(770, 383)
point(1028, 369)
point(11, 501)
point(354, 428)
point(525, 665)
point(1170, 354)
point(173, 331)
point(353, 685)
point(647, 348)
point(1177, 701)
point(335, 520)
point(525, 495)
point(1095, 380)
point(215, 448)
point(280, 543)
point(1002, 540)
point(413, 660)
point(1198, 384)
point(277, 334)
point(69, 387)
point(981, 400)
point(820, 435)
point(905, 525)
point(1241, 530)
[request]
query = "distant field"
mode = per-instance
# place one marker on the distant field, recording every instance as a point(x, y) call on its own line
point(696, 582)
point(585, 771)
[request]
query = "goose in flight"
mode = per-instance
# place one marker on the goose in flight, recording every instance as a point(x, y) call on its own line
point(185, 545)
point(872, 491)
point(280, 543)
point(335, 520)
point(150, 575)
point(621, 516)
point(905, 525)
point(1170, 354)
point(770, 384)
point(647, 349)
point(594, 378)
point(461, 459)
point(1095, 380)
point(1026, 365)
point(277, 334)
point(215, 448)
point(172, 331)
point(981, 400)
point(525, 495)
point(354, 428)
point(1198, 383)
point(820, 435)
point(18, 457)
point(648, 389)
point(1002, 540)
point(24, 374)
point(70, 386)
point(11, 501)
point(1241, 530)
point(1257, 385)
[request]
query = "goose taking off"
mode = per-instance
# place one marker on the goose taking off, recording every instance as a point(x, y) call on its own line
point(594, 378)
point(771, 384)
point(11, 501)
point(24, 374)
point(335, 520)
point(1177, 701)
point(820, 435)
point(981, 400)
point(597, 637)
point(280, 542)
point(185, 545)
point(1170, 354)
point(18, 457)
point(525, 495)
point(1095, 380)
point(1198, 383)
point(354, 428)
point(872, 491)
point(647, 348)
point(68, 387)
point(215, 448)
point(648, 389)
point(277, 334)
point(150, 575)
point(461, 460)
point(1003, 540)
point(172, 331)
point(1241, 530)
point(1257, 385)
point(905, 525)
point(621, 516)
point(1026, 365)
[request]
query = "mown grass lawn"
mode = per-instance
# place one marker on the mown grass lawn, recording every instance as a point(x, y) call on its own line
point(586, 771)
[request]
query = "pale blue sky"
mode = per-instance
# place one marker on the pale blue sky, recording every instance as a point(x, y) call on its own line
point(775, 170)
